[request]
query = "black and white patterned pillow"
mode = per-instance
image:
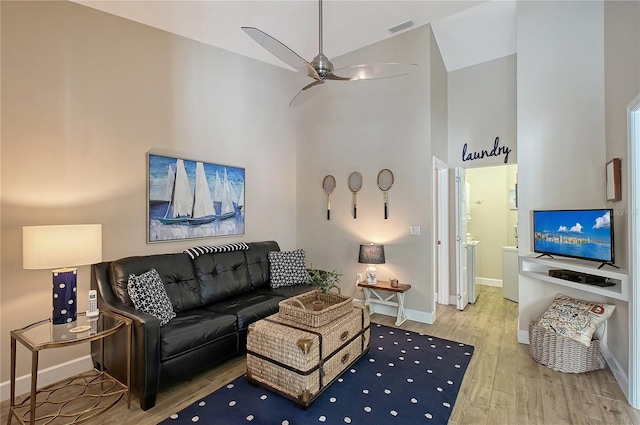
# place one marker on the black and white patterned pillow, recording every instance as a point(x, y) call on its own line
point(287, 268)
point(197, 251)
point(148, 295)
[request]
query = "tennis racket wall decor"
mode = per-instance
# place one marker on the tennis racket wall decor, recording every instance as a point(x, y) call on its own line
point(385, 181)
point(355, 184)
point(328, 185)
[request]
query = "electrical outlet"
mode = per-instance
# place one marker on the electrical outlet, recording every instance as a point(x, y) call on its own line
point(358, 278)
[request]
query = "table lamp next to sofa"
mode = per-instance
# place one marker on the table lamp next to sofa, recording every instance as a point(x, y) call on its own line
point(62, 248)
point(371, 254)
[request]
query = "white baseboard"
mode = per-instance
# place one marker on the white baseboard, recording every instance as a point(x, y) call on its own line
point(523, 337)
point(47, 376)
point(415, 315)
point(453, 300)
point(489, 282)
point(616, 369)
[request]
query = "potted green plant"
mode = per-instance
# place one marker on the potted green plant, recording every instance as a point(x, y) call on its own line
point(324, 281)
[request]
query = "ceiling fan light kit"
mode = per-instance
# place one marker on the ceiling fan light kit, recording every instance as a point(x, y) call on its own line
point(320, 69)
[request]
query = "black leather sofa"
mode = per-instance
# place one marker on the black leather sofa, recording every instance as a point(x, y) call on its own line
point(215, 297)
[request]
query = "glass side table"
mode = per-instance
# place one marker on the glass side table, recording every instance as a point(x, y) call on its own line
point(79, 397)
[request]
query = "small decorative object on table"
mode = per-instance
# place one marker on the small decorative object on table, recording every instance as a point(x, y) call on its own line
point(394, 283)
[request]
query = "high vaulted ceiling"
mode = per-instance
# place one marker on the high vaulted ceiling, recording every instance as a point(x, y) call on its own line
point(468, 32)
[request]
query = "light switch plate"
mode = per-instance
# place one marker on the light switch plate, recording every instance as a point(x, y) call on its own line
point(415, 230)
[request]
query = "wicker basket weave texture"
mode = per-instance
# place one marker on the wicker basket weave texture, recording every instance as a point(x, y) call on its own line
point(277, 344)
point(561, 353)
point(299, 308)
point(294, 384)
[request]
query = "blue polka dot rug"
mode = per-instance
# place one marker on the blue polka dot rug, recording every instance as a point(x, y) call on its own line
point(406, 378)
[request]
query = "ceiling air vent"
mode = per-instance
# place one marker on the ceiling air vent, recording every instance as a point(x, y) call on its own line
point(401, 27)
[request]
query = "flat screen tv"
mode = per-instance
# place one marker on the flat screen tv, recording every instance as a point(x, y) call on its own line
point(585, 234)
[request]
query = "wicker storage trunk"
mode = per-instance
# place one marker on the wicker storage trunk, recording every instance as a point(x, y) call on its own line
point(563, 354)
point(299, 361)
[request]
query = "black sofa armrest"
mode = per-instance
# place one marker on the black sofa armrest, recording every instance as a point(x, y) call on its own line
point(145, 344)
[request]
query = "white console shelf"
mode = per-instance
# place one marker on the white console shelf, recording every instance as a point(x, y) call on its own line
point(538, 268)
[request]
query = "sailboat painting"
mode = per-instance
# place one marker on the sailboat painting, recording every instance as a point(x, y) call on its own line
point(193, 199)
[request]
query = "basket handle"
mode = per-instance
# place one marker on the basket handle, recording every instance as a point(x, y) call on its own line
point(335, 287)
point(294, 300)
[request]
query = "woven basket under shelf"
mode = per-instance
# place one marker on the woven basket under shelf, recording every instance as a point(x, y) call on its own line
point(561, 353)
point(299, 308)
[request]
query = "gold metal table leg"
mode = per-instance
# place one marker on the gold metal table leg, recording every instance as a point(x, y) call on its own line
point(34, 386)
point(13, 379)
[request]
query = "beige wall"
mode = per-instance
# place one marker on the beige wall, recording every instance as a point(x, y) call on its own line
point(85, 95)
point(368, 126)
point(481, 107)
point(491, 218)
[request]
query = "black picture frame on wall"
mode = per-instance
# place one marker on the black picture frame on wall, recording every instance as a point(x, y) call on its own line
point(188, 199)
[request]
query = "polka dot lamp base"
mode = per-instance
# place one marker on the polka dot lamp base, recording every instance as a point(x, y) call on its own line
point(64, 296)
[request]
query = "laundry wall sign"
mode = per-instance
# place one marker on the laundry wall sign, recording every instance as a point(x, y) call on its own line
point(497, 150)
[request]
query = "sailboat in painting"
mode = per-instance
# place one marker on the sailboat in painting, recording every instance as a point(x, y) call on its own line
point(180, 205)
point(198, 207)
point(203, 211)
point(227, 209)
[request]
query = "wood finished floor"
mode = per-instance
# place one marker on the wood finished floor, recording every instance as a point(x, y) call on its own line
point(503, 385)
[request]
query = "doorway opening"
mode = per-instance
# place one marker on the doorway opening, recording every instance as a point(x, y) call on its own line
point(491, 231)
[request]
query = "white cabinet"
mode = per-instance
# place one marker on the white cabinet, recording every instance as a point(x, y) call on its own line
point(538, 268)
point(510, 273)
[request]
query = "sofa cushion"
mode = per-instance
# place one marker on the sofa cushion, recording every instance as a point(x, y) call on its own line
point(221, 275)
point(148, 295)
point(258, 262)
point(175, 270)
point(285, 291)
point(193, 329)
point(248, 308)
point(288, 268)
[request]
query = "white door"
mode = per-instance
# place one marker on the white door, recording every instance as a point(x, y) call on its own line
point(462, 283)
point(441, 231)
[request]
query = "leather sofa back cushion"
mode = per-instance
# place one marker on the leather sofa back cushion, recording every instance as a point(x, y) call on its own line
point(258, 262)
point(221, 275)
point(176, 273)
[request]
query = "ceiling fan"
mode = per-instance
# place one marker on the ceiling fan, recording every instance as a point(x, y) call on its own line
point(320, 68)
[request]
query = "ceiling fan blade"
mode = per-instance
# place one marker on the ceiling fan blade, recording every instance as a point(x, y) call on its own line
point(305, 94)
point(373, 70)
point(281, 51)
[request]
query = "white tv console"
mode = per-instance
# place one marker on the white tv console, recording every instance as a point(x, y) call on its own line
point(538, 268)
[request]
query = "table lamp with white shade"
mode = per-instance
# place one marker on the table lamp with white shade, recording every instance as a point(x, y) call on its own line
point(371, 254)
point(62, 248)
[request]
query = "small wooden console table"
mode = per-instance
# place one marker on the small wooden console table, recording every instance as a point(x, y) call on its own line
point(372, 295)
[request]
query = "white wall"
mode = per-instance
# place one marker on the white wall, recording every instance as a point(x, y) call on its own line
point(367, 126)
point(561, 134)
point(84, 96)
